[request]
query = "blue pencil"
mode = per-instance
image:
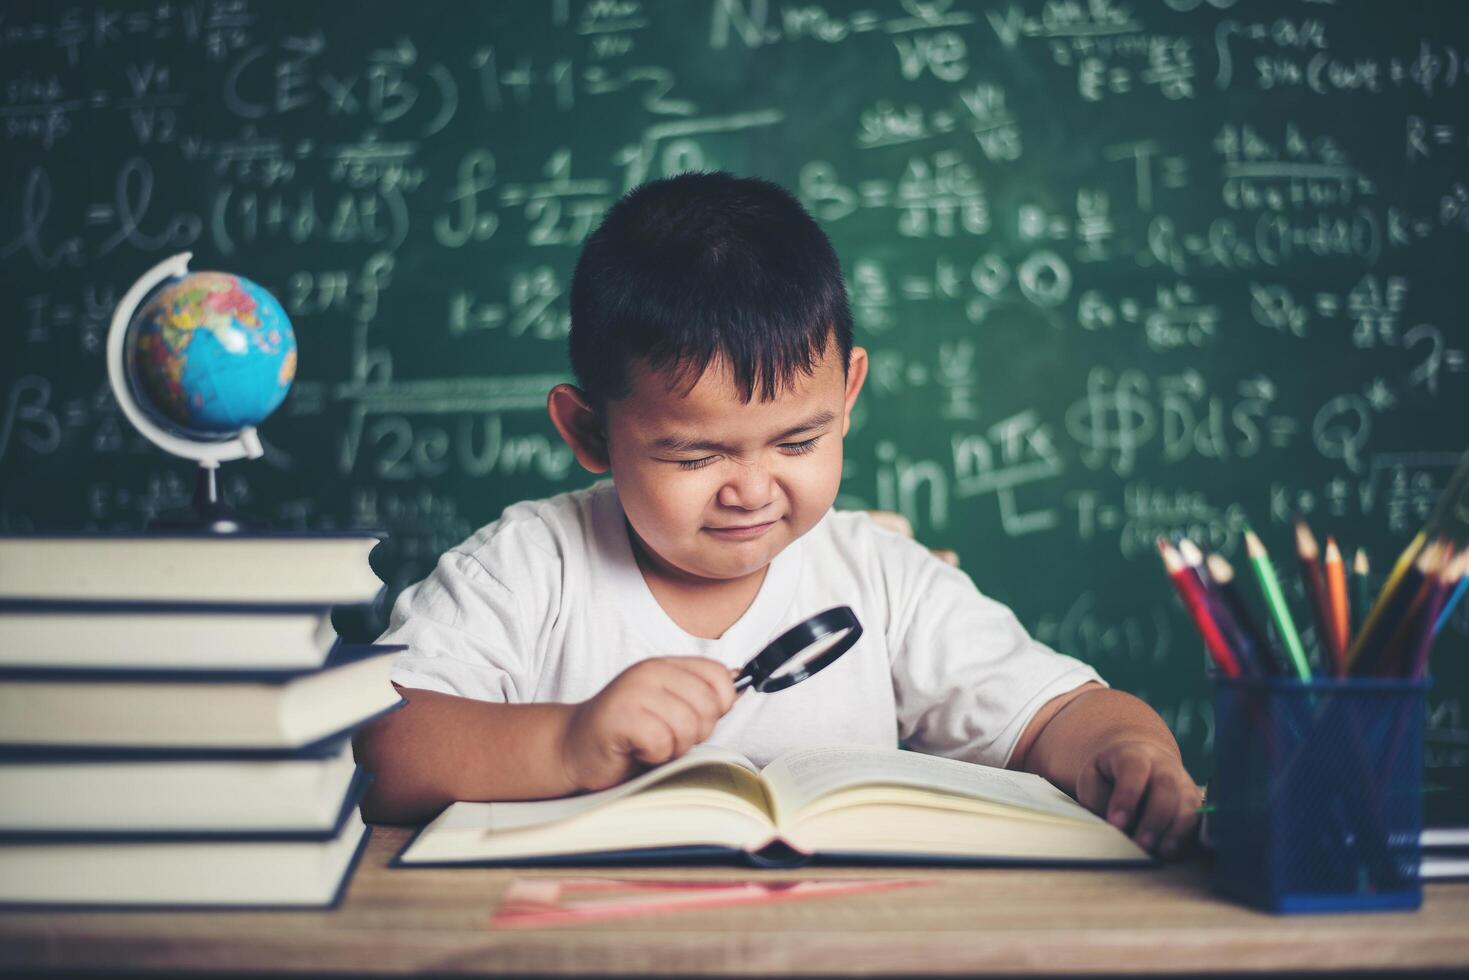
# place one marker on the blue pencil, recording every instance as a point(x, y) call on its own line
point(1450, 603)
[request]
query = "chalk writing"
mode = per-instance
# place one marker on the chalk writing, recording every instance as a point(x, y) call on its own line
point(1121, 269)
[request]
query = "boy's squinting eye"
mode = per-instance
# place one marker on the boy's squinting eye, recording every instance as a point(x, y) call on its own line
point(791, 448)
point(800, 448)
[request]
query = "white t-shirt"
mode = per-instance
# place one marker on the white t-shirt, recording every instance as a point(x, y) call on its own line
point(547, 604)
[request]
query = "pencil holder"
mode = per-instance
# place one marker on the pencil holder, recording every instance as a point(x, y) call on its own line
point(1318, 793)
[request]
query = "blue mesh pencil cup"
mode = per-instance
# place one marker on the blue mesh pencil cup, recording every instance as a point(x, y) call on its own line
point(1318, 793)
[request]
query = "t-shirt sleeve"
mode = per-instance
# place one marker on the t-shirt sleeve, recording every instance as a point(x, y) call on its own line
point(465, 632)
point(967, 676)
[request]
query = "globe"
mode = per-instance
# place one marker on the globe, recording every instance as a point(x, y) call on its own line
point(210, 354)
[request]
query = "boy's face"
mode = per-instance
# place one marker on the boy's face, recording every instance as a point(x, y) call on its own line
point(715, 487)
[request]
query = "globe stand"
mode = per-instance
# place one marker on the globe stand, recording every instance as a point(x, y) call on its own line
point(209, 513)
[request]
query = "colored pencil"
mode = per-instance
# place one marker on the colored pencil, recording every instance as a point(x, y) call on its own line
point(1234, 635)
point(1192, 594)
point(1267, 660)
point(1449, 512)
point(1406, 559)
point(1193, 559)
point(1360, 571)
point(1341, 615)
point(1452, 602)
point(1453, 578)
point(1275, 603)
point(1308, 553)
point(1380, 627)
point(1402, 641)
point(1385, 595)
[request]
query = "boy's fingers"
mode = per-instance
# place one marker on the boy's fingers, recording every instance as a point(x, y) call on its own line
point(712, 673)
point(1182, 827)
point(682, 720)
point(703, 708)
point(697, 695)
point(1129, 779)
point(651, 738)
point(1158, 814)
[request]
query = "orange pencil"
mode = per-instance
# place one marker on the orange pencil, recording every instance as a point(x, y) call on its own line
point(1341, 609)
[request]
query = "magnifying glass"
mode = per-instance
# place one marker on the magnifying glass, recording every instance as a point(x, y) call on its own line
point(801, 651)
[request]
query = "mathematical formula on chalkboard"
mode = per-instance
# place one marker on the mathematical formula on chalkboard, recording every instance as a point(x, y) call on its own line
point(1123, 269)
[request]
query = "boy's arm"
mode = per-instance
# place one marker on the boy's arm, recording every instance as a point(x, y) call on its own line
point(440, 748)
point(1117, 757)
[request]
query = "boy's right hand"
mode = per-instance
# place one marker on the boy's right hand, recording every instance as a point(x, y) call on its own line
point(654, 711)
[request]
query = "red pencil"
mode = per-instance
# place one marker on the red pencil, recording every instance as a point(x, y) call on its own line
point(1192, 594)
point(1309, 554)
point(1456, 570)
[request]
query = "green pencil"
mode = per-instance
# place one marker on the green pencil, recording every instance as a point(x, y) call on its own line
point(1385, 594)
point(1364, 594)
point(1275, 602)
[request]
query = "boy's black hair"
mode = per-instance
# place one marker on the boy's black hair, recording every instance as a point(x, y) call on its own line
point(706, 267)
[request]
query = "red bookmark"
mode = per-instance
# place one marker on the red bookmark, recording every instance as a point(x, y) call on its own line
point(537, 902)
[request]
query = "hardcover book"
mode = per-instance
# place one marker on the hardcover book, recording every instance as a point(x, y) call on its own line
point(154, 636)
point(196, 709)
point(833, 804)
point(268, 871)
point(324, 568)
point(57, 793)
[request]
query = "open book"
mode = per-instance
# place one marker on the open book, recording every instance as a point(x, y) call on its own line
point(841, 804)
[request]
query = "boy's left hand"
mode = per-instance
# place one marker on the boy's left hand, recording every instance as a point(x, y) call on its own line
point(1142, 789)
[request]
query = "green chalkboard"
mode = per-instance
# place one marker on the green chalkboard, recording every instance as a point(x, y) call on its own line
point(1123, 269)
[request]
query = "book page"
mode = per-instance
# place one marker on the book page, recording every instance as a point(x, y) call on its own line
point(714, 785)
point(709, 798)
point(898, 828)
point(798, 778)
point(535, 813)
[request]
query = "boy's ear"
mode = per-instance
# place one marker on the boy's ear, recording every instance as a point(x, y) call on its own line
point(856, 374)
point(579, 426)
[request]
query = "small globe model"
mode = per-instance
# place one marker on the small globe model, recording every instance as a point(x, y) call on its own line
point(210, 354)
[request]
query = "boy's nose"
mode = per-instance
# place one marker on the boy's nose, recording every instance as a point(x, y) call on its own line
point(748, 489)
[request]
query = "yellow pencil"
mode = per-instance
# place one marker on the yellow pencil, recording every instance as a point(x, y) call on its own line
point(1405, 562)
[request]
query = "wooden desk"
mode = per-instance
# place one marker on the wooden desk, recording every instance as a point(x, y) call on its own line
point(972, 921)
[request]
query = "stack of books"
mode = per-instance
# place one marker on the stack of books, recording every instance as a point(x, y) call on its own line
point(175, 718)
point(1446, 825)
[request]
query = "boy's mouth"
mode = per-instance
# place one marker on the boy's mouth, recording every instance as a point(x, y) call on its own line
point(741, 532)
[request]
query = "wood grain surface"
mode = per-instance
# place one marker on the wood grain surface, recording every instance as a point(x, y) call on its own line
point(984, 921)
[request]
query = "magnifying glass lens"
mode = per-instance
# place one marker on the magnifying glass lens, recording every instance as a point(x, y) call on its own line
point(808, 655)
point(801, 651)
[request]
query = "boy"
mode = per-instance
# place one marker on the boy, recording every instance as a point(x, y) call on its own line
point(581, 638)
